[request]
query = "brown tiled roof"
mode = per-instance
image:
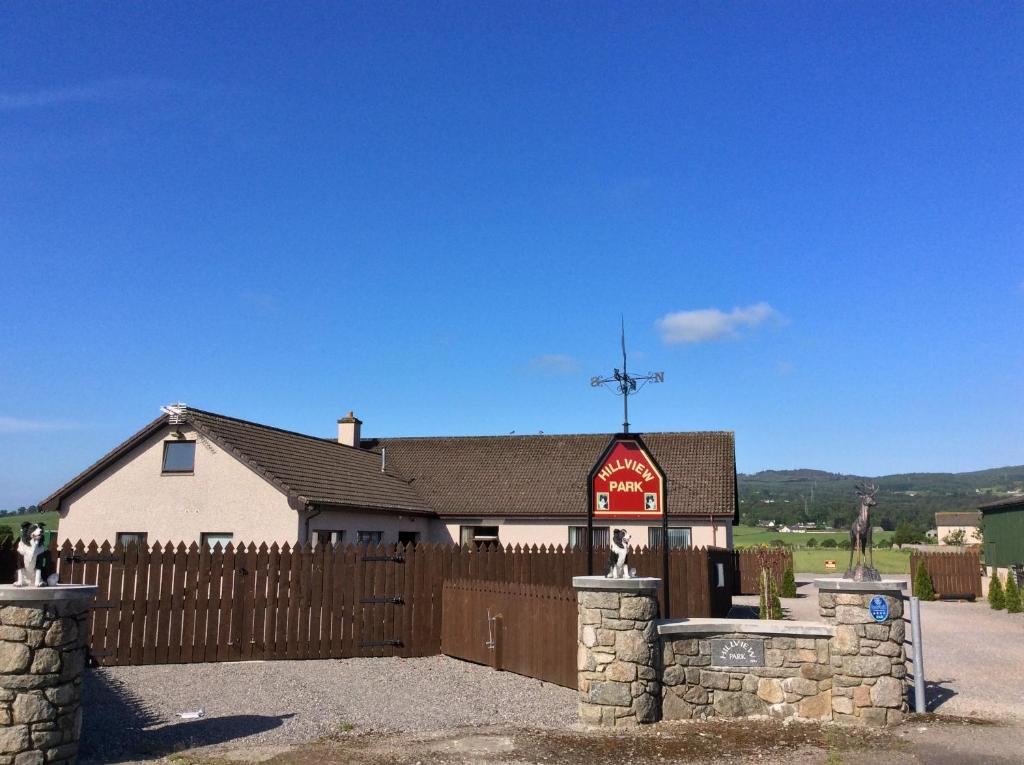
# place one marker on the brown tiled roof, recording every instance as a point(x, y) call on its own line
point(546, 475)
point(310, 470)
point(315, 470)
point(967, 518)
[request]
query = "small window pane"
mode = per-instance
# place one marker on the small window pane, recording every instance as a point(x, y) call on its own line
point(213, 538)
point(326, 537)
point(678, 536)
point(369, 537)
point(578, 536)
point(126, 538)
point(179, 456)
point(408, 537)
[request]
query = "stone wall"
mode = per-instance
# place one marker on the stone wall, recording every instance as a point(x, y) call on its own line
point(796, 680)
point(868, 658)
point(42, 655)
point(618, 659)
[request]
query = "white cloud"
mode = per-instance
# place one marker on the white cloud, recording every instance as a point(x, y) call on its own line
point(709, 324)
point(20, 425)
point(88, 93)
point(554, 364)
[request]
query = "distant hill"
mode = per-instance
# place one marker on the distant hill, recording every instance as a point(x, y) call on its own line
point(790, 496)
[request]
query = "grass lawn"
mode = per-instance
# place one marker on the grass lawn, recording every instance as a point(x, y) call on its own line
point(745, 535)
point(13, 522)
point(892, 561)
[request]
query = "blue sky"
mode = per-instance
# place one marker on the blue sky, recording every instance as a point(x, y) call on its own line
point(810, 215)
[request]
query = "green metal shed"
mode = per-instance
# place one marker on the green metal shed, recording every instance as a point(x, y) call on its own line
point(1004, 532)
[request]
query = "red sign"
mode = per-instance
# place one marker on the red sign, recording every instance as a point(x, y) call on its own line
point(626, 483)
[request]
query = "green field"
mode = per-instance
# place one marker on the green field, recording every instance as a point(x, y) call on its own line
point(892, 561)
point(745, 536)
point(13, 522)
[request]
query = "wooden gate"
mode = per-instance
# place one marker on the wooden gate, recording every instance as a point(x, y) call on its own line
point(954, 574)
point(748, 569)
point(526, 629)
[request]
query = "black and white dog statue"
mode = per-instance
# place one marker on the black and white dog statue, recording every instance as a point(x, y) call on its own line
point(617, 568)
point(35, 558)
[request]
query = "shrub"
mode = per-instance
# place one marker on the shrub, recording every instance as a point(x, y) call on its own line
point(996, 599)
point(829, 542)
point(6, 532)
point(844, 544)
point(788, 584)
point(812, 542)
point(923, 587)
point(1011, 595)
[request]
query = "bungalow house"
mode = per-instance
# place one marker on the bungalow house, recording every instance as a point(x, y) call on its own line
point(967, 522)
point(192, 475)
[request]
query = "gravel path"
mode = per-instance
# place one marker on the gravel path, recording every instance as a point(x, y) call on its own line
point(131, 711)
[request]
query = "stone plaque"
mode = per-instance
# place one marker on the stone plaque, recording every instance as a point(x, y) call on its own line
point(737, 652)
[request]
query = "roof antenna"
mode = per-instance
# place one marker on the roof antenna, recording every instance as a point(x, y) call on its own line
point(625, 383)
point(383, 458)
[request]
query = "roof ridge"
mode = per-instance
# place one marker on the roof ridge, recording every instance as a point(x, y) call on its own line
point(556, 435)
point(322, 439)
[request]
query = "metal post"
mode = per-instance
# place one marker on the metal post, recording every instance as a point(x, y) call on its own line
point(915, 633)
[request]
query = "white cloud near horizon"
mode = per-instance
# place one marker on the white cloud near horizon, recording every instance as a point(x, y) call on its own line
point(21, 425)
point(97, 91)
point(710, 324)
point(554, 364)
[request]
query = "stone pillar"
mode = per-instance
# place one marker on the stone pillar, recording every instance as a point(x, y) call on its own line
point(618, 661)
point(42, 655)
point(868, 656)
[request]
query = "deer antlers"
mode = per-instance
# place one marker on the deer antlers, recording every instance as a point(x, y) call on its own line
point(866, 489)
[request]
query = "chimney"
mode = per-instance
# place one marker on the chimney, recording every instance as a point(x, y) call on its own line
point(349, 428)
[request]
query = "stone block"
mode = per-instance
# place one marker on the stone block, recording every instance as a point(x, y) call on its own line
point(34, 638)
point(590, 616)
point(620, 671)
point(872, 716)
point(898, 631)
point(674, 675)
point(815, 671)
point(45, 661)
point(13, 738)
point(589, 636)
point(606, 637)
point(893, 716)
point(31, 757)
point(876, 631)
point(735, 684)
point(823, 651)
point(22, 617)
point(888, 649)
point(846, 680)
point(805, 643)
point(887, 692)
point(610, 694)
point(62, 632)
point(729, 704)
point(774, 657)
point(584, 660)
point(32, 707)
point(591, 599)
point(46, 739)
point(862, 696)
point(770, 690)
point(852, 615)
point(806, 654)
point(782, 711)
point(816, 707)
point(749, 683)
point(614, 623)
point(646, 673)
point(866, 666)
point(800, 685)
point(631, 646)
point(716, 680)
point(674, 708)
point(849, 599)
point(692, 675)
point(696, 695)
point(73, 664)
point(842, 705)
point(639, 608)
point(15, 658)
point(646, 708)
point(590, 714)
point(782, 643)
point(12, 634)
point(686, 647)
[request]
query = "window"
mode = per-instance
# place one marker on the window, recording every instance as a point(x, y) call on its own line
point(126, 538)
point(212, 538)
point(325, 537)
point(578, 536)
point(408, 537)
point(369, 537)
point(478, 535)
point(179, 456)
point(678, 536)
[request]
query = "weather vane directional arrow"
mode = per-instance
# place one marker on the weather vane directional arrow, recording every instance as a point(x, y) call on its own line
point(625, 384)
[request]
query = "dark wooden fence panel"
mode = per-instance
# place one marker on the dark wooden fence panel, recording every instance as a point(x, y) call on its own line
point(954, 574)
point(748, 569)
point(521, 628)
point(178, 604)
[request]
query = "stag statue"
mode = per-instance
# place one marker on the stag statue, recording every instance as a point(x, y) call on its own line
point(860, 537)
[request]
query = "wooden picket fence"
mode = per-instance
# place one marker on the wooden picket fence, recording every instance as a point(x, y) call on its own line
point(180, 604)
point(954, 574)
point(748, 568)
point(523, 628)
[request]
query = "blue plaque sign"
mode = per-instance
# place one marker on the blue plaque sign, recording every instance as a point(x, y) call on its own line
point(879, 608)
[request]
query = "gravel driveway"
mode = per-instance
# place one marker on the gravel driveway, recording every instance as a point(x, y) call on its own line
point(131, 711)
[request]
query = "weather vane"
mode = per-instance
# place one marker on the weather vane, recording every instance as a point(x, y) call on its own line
point(625, 384)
